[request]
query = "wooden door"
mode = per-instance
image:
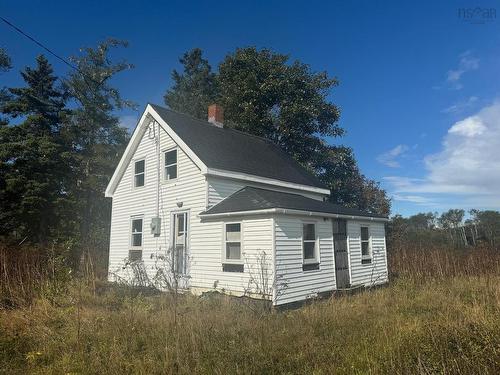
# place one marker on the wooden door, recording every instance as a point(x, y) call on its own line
point(341, 253)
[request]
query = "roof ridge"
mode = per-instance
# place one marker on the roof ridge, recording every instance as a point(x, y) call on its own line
point(222, 128)
point(185, 114)
point(293, 170)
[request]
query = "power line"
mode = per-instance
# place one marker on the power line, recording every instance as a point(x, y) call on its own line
point(62, 59)
point(40, 44)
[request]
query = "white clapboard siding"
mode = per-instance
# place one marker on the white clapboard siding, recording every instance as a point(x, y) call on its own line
point(288, 259)
point(221, 188)
point(207, 247)
point(375, 272)
point(205, 238)
point(188, 188)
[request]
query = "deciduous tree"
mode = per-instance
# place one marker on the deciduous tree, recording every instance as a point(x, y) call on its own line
point(265, 94)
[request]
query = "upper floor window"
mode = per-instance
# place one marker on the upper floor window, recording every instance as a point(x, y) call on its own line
point(309, 247)
point(365, 245)
point(139, 173)
point(171, 164)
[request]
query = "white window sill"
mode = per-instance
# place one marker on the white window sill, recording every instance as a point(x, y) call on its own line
point(232, 261)
point(169, 182)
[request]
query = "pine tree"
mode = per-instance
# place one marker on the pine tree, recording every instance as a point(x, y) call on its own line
point(194, 89)
point(33, 173)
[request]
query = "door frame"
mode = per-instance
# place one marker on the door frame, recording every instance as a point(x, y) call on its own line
point(187, 250)
point(348, 252)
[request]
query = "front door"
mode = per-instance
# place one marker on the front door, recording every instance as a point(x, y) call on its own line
point(180, 245)
point(341, 254)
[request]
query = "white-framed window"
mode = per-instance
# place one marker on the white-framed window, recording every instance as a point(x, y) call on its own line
point(309, 244)
point(139, 173)
point(136, 232)
point(170, 162)
point(232, 252)
point(366, 248)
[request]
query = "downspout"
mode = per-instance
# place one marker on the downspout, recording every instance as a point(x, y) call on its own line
point(156, 220)
point(158, 171)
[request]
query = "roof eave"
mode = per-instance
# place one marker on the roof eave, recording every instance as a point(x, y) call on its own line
point(122, 164)
point(265, 180)
point(286, 211)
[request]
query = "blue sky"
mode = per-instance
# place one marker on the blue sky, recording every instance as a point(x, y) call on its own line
point(419, 84)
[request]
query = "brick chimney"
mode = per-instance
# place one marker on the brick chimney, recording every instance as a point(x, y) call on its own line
point(216, 115)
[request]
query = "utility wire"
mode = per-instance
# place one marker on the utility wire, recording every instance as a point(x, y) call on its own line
point(40, 44)
point(62, 59)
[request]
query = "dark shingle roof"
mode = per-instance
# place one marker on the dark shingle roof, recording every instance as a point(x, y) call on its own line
point(235, 151)
point(251, 199)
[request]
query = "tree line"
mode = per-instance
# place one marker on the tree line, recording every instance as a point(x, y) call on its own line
point(448, 228)
point(60, 137)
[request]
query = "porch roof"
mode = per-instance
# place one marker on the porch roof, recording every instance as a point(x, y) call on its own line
point(255, 200)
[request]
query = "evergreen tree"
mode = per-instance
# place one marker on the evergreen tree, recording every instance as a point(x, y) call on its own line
point(97, 140)
point(5, 66)
point(194, 89)
point(5, 62)
point(33, 156)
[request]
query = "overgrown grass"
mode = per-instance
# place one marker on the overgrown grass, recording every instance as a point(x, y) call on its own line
point(447, 321)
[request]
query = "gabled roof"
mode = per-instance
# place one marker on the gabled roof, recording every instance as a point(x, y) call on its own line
point(222, 152)
point(232, 150)
point(251, 199)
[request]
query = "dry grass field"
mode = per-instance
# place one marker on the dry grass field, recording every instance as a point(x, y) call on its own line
point(439, 314)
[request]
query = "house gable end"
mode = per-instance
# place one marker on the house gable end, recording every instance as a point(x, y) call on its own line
point(148, 115)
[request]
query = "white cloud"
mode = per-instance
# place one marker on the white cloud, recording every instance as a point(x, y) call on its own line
point(470, 127)
point(466, 64)
point(389, 158)
point(461, 106)
point(468, 165)
point(418, 199)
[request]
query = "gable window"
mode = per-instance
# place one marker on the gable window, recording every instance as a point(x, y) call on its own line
point(365, 245)
point(232, 248)
point(135, 251)
point(139, 173)
point(310, 256)
point(171, 164)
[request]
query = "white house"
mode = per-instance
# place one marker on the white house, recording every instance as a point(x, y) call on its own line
point(230, 211)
